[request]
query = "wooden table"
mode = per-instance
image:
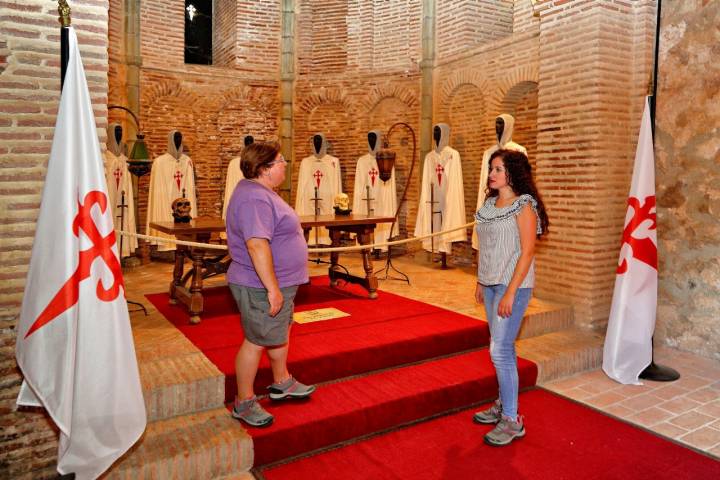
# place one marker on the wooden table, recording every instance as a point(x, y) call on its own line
point(363, 226)
point(197, 230)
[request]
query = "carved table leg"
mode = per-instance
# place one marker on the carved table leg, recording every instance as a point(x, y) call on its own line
point(334, 256)
point(364, 238)
point(196, 298)
point(176, 282)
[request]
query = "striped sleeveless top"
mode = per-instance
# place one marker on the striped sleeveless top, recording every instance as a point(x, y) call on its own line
point(499, 238)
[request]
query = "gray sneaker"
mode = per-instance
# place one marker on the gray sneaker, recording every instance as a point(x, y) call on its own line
point(290, 388)
point(491, 415)
point(251, 412)
point(505, 432)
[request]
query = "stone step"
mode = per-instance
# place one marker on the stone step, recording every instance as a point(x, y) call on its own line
point(179, 385)
point(564, 353)
point(202, 446)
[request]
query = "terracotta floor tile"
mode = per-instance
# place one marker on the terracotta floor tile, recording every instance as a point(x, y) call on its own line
point(618, 411)
point(650, 417)
point(679, 405)
point(669, 392)
point(703, 438)
point(669, 430)
point(704, 395)
point(712, 409)
point(715, 451)
point(692, 382)
point(642, 402)
point(604, 399)
point(566, 383)
point(692, 420)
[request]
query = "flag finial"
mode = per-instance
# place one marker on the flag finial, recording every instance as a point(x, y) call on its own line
point(64, 12)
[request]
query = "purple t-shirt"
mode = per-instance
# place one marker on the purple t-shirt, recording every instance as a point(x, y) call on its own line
point(257, 212)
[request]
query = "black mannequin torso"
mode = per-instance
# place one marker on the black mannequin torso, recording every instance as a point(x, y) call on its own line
point(372, 140)
point(437, 133)
point(118, 134)
point(317, 144)
point(177, 138)
point(499, 128)
point(248, 140)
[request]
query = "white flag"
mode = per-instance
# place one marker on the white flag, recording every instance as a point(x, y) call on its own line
point(628, 342)
point(74, 343)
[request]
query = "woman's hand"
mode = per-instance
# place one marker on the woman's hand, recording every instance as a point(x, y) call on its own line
point(506, 303)
point(479, 294)
point(275, 298)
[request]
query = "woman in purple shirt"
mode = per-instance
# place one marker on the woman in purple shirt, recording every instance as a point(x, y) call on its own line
point(269, 262)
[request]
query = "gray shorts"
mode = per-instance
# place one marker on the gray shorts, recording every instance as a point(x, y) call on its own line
point(260, 328)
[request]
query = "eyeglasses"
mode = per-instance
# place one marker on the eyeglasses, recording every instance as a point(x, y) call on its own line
point(280, 159)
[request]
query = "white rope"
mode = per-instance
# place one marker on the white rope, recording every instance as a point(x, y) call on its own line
point(212, 246)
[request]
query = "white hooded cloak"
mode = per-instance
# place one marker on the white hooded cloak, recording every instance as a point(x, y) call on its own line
point(443, 170)
point(505, 143)
point(171, 174)
point(322, 171)
point(119, 181)
point(383, 194)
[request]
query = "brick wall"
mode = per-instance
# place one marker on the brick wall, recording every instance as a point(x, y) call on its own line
point(29, 95)
point(213, 106)
point(464, 24)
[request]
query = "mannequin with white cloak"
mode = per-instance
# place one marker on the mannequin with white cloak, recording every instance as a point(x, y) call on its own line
point(383, 194)
point(172, 174)
point(443, 170)
point(322, 171)
point(119, 181)
point(504, 125)
point(234, 175)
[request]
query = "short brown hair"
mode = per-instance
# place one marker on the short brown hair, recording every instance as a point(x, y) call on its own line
point(257, 157)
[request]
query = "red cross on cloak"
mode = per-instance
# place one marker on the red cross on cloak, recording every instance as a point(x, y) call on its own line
point(439, 169)
point(318, 176)
point(643, 249)
point(118, 175)
point(373, 175)
point(69, 293)
point(178, 178)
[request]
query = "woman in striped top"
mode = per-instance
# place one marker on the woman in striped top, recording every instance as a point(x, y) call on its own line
point(508, 224)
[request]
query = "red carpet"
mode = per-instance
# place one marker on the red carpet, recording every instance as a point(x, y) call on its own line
point(359, 406)
point(564, 441)
point(382, 333)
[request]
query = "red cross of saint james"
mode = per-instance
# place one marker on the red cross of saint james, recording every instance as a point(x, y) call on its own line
point(643, 249)
point(69, 293)
point(318, 176)
point(373, 175)
point(178, 178)
point(439, 169)
point(118, 175)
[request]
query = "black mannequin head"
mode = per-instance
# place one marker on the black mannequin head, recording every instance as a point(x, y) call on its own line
point(437, 133)
point(177, 139)
point(248, 140)
point(499, 127)
point(372, 140)
point(317, 143)
point(118, 134)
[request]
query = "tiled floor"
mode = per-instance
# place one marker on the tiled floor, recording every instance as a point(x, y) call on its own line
point(686, 410)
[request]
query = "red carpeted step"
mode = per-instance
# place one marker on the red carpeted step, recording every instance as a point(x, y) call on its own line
point(564, 441)
point(345, 410)
point(377, 334)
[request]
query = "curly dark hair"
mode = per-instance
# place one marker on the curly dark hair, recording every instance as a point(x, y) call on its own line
point(520, 179)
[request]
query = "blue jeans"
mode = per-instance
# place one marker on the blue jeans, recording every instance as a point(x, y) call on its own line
point(503, 332)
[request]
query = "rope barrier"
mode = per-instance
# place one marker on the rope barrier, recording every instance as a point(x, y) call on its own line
point(213, 246)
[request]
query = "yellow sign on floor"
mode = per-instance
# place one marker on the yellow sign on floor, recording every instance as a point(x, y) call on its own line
point(318, 315)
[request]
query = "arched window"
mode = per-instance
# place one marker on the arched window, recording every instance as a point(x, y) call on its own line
point(198, 31)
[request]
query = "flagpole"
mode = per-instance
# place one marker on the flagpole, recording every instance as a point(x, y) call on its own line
point(64, 19)
point(655, 372)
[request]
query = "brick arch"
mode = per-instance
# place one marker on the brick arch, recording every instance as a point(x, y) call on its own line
point(521, 101)
point(382, 92)
point(169, 88)
point(505, 85)
point(458, 79)
point(325, 96)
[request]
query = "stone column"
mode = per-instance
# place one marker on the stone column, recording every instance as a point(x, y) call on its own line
point(427, 66)
point(133, 59)
point(287, 86)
